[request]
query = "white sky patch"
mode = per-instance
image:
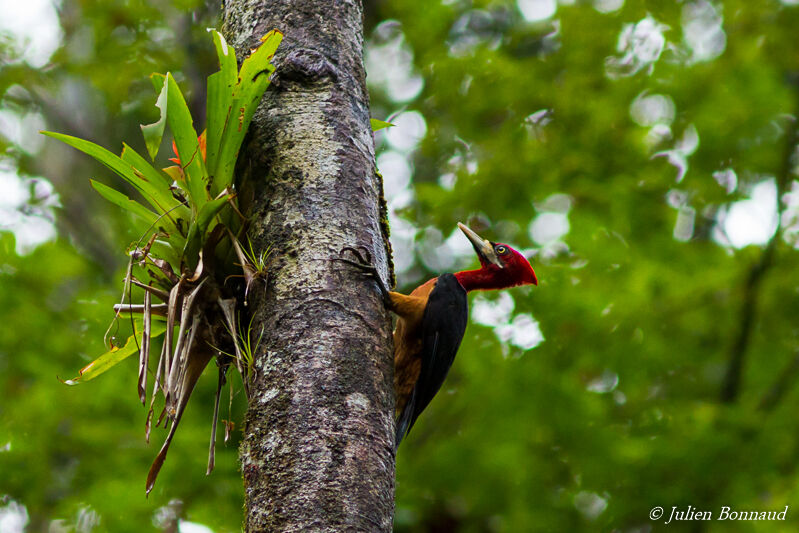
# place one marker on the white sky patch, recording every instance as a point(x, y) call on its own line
point(32, 225)
point(686, 215)
point(727, 178)
point(536, 122)
point(751, 221)
point(523, 332)
point(448, 180)
point(683, 148)
point(607, 382)
point(475, 27)
point(13, 517)
point(410, 128)
point(556, 203)
point(87, 520)
point(590, 504)
point(434, 252)
point(552, 223)
point(493, 312)
point(657, 134)
point(703, 31)
point(23, 130)
point(651, 109)
point(389, 63)
point(535, 10)
point(684, 226)
point(459, 245)
point(640, 46)
point(790, 216)
point(35, 26)
point(464, 160)
point(403, 234)
point(608, 6)
point(547, 228)
point(184, 526)
point(396, 171)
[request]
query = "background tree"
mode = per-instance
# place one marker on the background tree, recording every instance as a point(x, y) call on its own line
point(575, 406)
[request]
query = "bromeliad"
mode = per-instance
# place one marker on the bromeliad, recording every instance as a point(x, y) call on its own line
point(189, 256)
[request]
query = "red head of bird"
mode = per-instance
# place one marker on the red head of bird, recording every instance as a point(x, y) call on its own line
point(501, 266)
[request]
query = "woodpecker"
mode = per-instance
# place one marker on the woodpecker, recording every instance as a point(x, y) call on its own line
point(432, 320)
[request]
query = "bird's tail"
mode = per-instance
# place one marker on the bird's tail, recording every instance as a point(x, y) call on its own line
point(405, 420)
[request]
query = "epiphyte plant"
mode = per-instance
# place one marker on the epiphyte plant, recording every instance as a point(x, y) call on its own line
point(189, 264)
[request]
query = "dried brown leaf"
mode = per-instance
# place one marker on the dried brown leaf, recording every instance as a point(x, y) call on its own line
point(166, 268)
point(144, 352)
point(155, 309)
point(179, 358)
point(197, 361)
point(211, 449)
point(228, 307)
point(164, 295)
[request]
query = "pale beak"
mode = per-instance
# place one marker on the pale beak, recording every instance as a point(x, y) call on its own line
point(482, 246)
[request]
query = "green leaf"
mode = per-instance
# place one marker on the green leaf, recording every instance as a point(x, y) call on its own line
point(217, 109)
point(113, 357)
point(182, 127)
point(152, 192)
point(117, 198)
point(253, 80)
point(167, 250)
point(197, 231)
point(227, 58)
point(153, 133)
point(170, 205)
point(157, 79)
point(218, 100)
point(378, 124)
point(210, 210)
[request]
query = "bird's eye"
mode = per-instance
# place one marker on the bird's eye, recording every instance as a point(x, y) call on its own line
point(501, 250)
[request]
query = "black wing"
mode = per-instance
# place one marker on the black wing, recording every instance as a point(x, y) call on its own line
point(443, 326)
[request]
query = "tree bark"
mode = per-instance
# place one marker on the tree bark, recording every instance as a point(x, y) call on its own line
point(317, 453)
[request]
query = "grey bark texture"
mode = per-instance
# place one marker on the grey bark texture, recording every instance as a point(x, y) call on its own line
point(317, 453)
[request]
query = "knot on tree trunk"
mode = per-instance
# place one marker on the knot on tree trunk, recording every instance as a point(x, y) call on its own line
point(305, 66)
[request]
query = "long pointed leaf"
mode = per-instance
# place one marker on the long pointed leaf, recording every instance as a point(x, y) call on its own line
point(153, 133)
point(112, 357)
point(162, 195)
point(198, 230)
point(157, 79)
point(253, 81)
point(378, 124)
point(124, 169)
point(121, 200)
point(191, 159)
point(219, 96)
point(168, 250)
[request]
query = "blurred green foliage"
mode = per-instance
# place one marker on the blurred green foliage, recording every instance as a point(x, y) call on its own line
point(641, 302)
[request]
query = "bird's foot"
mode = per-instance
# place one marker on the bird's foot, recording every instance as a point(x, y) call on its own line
point(363, 262)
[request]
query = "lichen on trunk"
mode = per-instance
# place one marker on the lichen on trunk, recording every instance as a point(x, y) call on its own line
point(317, 452)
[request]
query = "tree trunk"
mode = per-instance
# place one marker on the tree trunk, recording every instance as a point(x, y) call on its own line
point(317, 453)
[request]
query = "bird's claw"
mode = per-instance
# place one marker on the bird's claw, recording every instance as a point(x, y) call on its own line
point(356, 251)
point(363, 261)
